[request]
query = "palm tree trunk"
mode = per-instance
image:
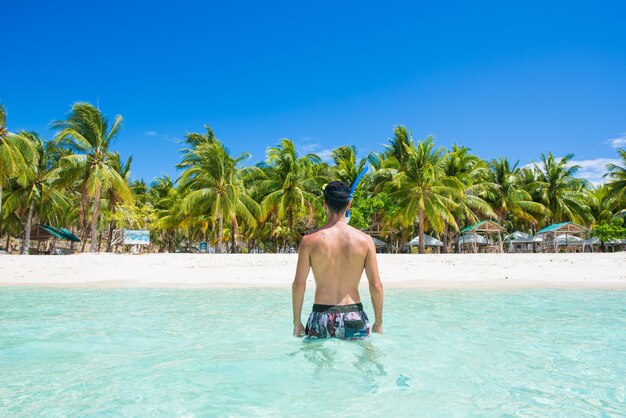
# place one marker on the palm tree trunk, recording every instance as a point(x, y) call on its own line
point(84, 238)
point(72, 244)
point(8, 249)
point(29, 223)
point(420, 218)
point(234, 233)
point(220, 233)
point(291, 227)
point(82, 219)
point(444, 249)
point(110, 240)
point(94, 222)
point(99, 240)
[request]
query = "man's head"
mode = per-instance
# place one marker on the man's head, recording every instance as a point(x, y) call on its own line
point(337, 196)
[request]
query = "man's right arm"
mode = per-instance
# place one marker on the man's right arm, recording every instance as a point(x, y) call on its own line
point(376, 287)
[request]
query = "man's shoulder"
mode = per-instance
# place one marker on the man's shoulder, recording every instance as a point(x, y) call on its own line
point(359, 234)
point(319, 236)
point(313, 236)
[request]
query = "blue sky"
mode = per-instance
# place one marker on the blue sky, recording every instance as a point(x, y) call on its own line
point(511, 79)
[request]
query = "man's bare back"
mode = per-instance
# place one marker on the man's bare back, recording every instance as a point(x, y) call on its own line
point(337, 254)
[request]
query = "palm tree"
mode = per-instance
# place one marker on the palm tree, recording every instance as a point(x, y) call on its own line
point(347, 164)
point(414, 175)
point(617, 177)
point(16, 155)
point(290, 183)
point(113, 197)
point(214, 184)
point(472, 172)
point(86, 132)
point(401, 142)
point(559, 190)
point(38, 195)
point(167, 202)
point(509, 200)
point(601, 204)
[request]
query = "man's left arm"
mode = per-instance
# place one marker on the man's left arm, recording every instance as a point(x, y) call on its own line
point(299, 286)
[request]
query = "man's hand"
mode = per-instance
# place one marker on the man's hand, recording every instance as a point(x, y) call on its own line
point(298, 330)
point(377, 328)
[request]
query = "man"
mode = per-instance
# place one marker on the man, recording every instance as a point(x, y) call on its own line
point(337, 254)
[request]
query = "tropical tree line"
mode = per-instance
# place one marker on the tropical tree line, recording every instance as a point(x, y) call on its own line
point(76, 180)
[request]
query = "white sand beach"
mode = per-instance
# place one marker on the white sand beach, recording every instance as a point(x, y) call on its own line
point(442, 271)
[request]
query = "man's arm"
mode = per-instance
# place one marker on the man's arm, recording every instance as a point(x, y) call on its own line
point(376, 287)
point(299, 286)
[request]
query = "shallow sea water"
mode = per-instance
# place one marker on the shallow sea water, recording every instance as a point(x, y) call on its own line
point(229, 352)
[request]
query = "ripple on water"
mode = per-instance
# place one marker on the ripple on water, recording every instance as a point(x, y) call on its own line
point(229, 352)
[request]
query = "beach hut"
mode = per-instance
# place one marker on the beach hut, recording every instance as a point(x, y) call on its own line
point(566, 235)
point(428, 242)
point(380, 245)
point(471, 243)
point(485, 228)
point(42, 233)
point(378, 231)
point(594, 244)
point(521, 242)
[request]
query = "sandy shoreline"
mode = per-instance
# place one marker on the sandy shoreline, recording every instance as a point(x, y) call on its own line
point(443, 271)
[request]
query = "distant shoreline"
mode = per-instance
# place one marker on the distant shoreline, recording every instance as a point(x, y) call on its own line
point(437, 271)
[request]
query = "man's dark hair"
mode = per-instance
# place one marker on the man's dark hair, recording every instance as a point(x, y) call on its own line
point(337, 196)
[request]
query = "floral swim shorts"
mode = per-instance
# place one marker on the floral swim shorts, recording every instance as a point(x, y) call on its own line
point(338, 321)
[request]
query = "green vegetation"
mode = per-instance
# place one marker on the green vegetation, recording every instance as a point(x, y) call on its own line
point(612, 230)
point(77, 181)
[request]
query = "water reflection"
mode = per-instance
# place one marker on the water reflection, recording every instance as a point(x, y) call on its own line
point(328, 354)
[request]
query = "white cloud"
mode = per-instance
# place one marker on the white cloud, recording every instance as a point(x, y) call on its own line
point(163, 137)
point(619, 142)
point(307, 148)
point(324, 154)
point(312, 146)
point(591, 170)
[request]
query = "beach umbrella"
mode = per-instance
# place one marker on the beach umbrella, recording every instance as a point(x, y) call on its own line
point(428, 241)
point(474, 238)
point(519, 236)
point(567, 239)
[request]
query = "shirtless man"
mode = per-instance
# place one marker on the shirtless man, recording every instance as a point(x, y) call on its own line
point(338, 254)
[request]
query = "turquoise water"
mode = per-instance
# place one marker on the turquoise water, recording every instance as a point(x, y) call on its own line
point(138, 352)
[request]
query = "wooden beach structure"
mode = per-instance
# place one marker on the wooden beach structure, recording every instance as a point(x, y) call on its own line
point(565, 235)
point(389, 235)
point(470, 235)
point(521, 242)
point(381, 246)
point(594, 244)
point(42, 233)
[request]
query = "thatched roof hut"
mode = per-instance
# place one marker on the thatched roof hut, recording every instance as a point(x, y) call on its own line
point(484, 228)
point(567, 235)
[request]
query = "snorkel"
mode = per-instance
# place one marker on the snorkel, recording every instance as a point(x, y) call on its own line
point(353, 188)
